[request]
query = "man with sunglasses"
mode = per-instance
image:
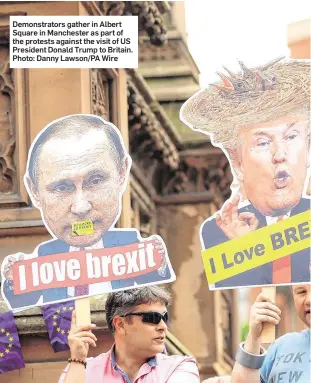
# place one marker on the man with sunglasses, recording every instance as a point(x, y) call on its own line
point(138, 319)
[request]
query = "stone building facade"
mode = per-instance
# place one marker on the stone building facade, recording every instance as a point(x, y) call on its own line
point(177, 178)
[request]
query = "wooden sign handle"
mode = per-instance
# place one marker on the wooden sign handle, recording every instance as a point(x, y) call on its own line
point(268, 332)
point(83, 311)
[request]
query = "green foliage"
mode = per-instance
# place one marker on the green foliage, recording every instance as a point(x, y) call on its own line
point(244, 331)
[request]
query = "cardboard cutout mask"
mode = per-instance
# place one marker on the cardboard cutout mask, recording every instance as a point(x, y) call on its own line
point(77, 171)
point(260, 119)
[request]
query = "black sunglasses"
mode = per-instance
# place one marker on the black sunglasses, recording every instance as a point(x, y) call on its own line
point(151, 317)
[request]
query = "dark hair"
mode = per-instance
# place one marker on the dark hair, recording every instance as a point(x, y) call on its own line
point(78, 125)
point(124, 302)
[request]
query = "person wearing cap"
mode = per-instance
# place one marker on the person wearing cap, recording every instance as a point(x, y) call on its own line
point(138, 319)
point(260, 119)
point(288, 358)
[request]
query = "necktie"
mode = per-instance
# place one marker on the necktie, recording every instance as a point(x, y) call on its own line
point(282, 268)
point(82, 289)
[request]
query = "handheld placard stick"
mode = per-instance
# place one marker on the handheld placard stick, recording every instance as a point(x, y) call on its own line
point(83, 311)
point(268, 332)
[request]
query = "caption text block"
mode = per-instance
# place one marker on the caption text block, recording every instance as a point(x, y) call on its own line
point(74, 41)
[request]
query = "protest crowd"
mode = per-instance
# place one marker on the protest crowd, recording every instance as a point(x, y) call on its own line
point(153, 228)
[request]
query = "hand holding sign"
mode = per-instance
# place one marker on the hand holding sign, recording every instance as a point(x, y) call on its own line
point(232, 223)
point(80, 339)
point(263, 311)
point(268, 332)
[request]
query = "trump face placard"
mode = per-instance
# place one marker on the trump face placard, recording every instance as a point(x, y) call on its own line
point(77, 171)
point(260, 119)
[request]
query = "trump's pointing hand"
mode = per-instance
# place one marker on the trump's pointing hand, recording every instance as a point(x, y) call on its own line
point(8, 266)
point(235, 224)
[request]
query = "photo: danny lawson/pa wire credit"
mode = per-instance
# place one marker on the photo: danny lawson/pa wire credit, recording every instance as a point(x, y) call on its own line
point(155, 192)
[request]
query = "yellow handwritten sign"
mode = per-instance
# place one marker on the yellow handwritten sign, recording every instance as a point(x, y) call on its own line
point(257, 248)
point(82, 228)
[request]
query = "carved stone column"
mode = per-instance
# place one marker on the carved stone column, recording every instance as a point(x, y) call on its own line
point(100, 93)
point(8, 180)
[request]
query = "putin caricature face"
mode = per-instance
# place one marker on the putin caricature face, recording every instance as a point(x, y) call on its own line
point(77, 170)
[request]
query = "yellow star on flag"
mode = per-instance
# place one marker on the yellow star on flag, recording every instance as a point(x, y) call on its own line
point(70, 308)
point(68, 332)
point(11, 339)
point(7, 351)
point(58, 329)
point(2, 330)
point(55, 316)
point(64, 308)
point(10, 345)
point(1, 354)
point(58, 311)
point(63, 332)
point(54, 323)
point(7, 334)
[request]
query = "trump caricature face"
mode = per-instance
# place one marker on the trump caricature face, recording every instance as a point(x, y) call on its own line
point(79, 178)
point(272, 162)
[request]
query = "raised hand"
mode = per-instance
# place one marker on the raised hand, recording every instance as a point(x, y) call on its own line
point(232, 223)
point(80, 339)
point(8, 267)
point(262, 311)
point(159, 245)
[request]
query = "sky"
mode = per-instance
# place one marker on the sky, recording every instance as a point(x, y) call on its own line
point(254, 31)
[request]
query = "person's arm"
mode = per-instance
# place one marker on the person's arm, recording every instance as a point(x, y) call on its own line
point(79, 341)
point(74, 372)
point(263, 311)
point(186, 372)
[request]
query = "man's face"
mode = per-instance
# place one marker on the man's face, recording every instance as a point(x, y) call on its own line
point(78, 180)
point(146, 339)
point(272, 164)
point(301, 295)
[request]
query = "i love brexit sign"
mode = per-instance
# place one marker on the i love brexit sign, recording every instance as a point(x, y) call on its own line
point(86, 267)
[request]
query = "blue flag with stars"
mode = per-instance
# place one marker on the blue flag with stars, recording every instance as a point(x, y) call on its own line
point(11, 357)
point(57, 317)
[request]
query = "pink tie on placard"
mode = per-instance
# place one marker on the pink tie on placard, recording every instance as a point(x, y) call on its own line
point(282, 272)
point(81, 290)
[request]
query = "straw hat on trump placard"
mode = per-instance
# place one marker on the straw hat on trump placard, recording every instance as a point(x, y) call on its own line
point(254, 95)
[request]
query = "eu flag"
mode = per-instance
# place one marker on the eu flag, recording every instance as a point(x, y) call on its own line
point(57, 317)
point(11, 357)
